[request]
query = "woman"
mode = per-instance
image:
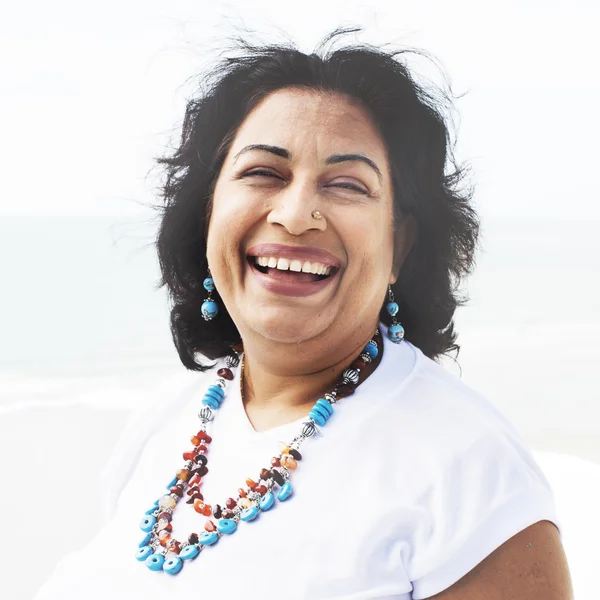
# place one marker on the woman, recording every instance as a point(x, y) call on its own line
point(312, 243)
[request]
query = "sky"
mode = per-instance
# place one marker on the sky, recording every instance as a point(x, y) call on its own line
point(90, 93)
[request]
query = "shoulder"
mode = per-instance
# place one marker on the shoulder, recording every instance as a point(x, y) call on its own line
point(464, 470)
point(442, 415)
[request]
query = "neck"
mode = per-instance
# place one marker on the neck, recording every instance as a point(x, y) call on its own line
point(280, 384)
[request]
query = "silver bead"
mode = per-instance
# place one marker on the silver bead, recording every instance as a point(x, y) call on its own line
point(222, 383)
point(188, 464)
point(366, 357)
point(351, 376)
point(330, 398)
point(206, 414)
point(308, 429)
point(254, 497)
point(232, 360)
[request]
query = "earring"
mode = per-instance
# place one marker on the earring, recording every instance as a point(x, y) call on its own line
point(395, 330)
point(209, 308)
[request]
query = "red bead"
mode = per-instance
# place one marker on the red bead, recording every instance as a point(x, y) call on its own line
point(231, 503)
point(251, 484)
point(176, 490)
point(265, 474)
point(166, 516)
point(359, 363)
point(343, 390)
point(210, 526)
point(275, 462)
point(202, 448)
point(242, 492)
point(195, 494)
point(225, 374)
point(174, 546)
point(189, 455)
point(195, 440)
point(261, 489)
point(202, 435)
point(193, 539)
point(200, 471)
point(203, 509)
point(195, 480)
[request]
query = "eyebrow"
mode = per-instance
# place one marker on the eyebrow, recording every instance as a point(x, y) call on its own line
point(331, 160)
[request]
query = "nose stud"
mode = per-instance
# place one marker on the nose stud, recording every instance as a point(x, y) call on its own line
point(316, 215)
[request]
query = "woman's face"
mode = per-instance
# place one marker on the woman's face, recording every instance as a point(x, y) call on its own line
point(281, 273)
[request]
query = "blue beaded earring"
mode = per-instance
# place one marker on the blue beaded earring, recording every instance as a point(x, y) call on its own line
point(395, 330)
point(209, 306)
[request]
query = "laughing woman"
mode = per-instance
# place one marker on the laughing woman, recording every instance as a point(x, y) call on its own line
point(312, 240)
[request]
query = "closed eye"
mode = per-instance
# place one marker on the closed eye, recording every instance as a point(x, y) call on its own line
point(265, 173)
point(344, 185)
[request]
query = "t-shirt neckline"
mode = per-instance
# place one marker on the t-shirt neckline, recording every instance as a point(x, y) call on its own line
point(399, 362)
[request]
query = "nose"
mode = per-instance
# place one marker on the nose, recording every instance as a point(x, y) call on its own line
point(293, 209)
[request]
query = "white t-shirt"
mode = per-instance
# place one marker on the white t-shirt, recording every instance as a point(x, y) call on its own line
point(415, 480)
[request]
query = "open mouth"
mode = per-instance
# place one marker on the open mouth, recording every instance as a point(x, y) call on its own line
point(292, 270)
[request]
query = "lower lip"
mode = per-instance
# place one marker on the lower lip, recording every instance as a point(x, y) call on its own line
point(291, 288)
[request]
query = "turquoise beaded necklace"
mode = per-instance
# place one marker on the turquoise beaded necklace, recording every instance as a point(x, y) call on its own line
point(159, 550)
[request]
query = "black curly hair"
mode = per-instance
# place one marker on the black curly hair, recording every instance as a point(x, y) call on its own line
point(414, 123)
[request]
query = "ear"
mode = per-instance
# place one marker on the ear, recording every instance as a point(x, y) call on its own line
point(405, 238)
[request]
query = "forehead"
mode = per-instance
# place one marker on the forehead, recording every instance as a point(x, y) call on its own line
point(321, 121)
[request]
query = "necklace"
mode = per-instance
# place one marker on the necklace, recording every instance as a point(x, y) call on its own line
point(159, 550)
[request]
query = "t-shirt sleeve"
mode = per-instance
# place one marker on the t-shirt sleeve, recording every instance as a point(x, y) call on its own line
point(478, 499)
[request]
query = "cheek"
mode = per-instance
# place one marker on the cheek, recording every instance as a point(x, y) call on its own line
point(232, 218)
point(225, 220)
point(370, 239)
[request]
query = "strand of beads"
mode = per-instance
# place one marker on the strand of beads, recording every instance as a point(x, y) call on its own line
point(158, 542)
point(159, 549)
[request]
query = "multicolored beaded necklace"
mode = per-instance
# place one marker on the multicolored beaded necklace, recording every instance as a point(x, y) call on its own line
point(159, 550)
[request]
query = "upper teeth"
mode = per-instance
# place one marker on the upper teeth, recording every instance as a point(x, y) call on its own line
point(284, 264)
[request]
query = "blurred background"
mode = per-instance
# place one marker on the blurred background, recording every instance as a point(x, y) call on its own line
point(91, 93)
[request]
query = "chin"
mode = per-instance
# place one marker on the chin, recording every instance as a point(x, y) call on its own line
point(287, 326)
